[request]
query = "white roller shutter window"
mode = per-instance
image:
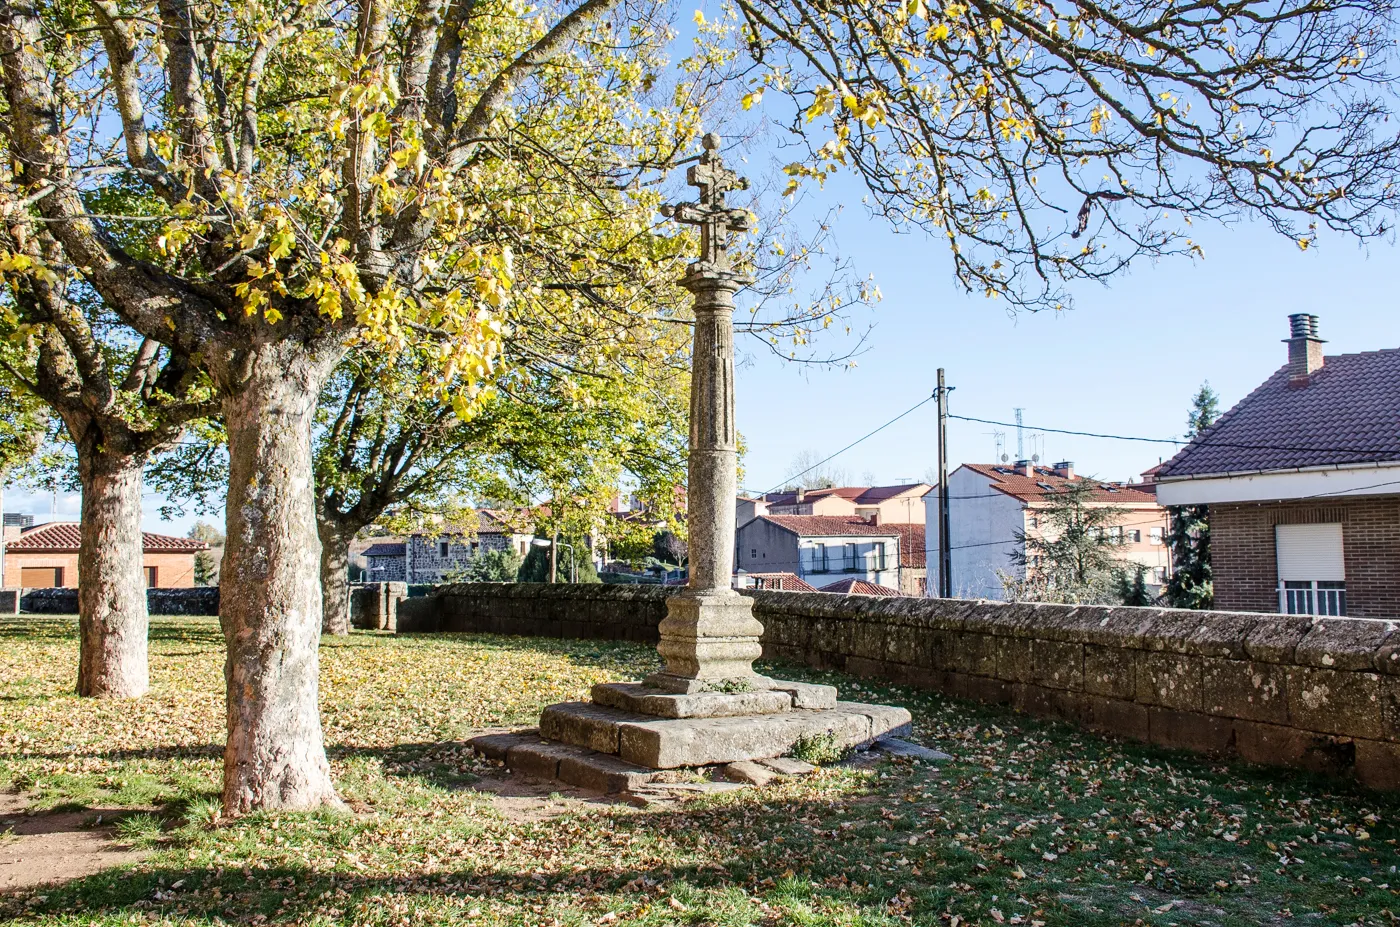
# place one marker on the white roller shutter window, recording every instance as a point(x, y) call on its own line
point(1310, 552)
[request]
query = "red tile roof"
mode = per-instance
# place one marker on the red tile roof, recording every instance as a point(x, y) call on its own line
point(1349, 412)
point(860, 495)
point(784, 582)
point(826, 526)
point(911, 545)
point(859, 587)
point(1030, 489)
point(66, 536)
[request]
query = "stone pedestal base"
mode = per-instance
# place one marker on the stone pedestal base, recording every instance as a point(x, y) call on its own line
point(631, 732)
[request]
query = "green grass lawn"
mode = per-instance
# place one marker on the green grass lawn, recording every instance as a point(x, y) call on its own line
point(1033, 823)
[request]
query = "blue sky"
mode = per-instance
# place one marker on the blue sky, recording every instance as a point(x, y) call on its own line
point(1126, 360)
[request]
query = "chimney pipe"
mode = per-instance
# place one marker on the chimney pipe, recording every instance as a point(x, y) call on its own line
point(800, 496)
point(875, 517)
point(1026, 468)
point(1065, 469)
point(1304, 348)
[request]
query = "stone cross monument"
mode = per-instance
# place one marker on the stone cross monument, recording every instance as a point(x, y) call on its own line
point(709, 638)
point(707, 707)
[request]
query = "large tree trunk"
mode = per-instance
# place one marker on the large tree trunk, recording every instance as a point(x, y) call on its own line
point(270, 608)
point(111, 583)
point(335, 578)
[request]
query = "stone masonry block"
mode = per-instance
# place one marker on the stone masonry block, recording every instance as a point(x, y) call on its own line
point(1378, 764)
point(1343, 643)
point(1222, 635)
point(1169, 629)
point(1110, 671)
point(1170, 680)
point(496, 746)
point(1015, 659)
point(1390, 708)
point(1275, 745)
point(1115, 716)
point(1244, 689)
point(540, 761)
point(583, 724)
point(975, 654)
point(907, 645)
point(1058, 665)
point(1275, 638)
point(867, 640)
point(1335, 702)
point(1189, 730)
point(600, 773)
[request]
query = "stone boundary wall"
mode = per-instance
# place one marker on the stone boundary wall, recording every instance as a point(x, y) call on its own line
point(195, 600)
point(1321, 694)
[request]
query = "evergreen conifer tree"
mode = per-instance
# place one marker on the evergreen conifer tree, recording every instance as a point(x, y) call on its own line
point(1191, 584)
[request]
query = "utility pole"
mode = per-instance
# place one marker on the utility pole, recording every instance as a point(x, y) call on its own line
point(945, 555)
point(554, 558)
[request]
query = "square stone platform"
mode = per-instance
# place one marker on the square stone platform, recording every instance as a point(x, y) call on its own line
point(631, 732)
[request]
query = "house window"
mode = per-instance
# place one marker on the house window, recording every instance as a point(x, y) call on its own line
point(852, 557)
point(151, 577)
point(41, 577)
point(1159, 575)
point(819, 558)
point(1032, 522)
point(1154, 536)
point(879, 552)
point(442, 548)
point(753, 553)
point(1311, 569)
point(1135, 536)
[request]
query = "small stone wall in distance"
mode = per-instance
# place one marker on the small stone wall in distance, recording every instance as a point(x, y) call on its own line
point(1322, 694)
point(197, 600)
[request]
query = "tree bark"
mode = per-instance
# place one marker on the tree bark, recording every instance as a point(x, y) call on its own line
point(335, 578)
point(111, 583)
point(271, 603)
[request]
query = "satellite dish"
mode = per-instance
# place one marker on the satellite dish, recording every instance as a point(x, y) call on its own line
point(1004, 458)
point(1035, 458)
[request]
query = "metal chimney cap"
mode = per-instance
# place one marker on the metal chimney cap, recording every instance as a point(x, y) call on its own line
point(1302, 325)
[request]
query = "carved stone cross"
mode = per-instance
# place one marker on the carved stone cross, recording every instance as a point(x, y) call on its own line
point(714, 219)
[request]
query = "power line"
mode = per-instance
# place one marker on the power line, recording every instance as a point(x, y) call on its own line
point(843, 450)
point(1195, 442)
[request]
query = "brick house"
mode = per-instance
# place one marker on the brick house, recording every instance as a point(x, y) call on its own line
point(1302, 483)
point(991, 504)
point(46, 556)
point(901, 504)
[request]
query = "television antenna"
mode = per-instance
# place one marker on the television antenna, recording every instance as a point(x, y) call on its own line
point(1020, 444)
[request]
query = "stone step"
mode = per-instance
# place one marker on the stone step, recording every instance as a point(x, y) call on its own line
point(638, 699)
point(528, 755)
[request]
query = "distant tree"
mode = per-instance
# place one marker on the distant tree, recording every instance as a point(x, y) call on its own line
point(1133, 591)
point(494, 566)
point(1073, 555)
point(1192, 583)
point(535, 567)
point(205, 573)
point(806, 471)
point(669, 547)
point(203, 531)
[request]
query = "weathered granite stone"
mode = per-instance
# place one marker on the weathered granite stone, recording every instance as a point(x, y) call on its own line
point(897, 747)
point(538, 760)
point(807, 694)
point(1335, 701)
point(601, 773)
point(1343, 643)
point(1378, 764)
point(1245, 689)
point(495, 746)
point(788, 766)
point(639, 699)
point(708, 638)
point(584, 725)
point(1058, 664)
point(1170, 680)
point(666, 744)
point(748, 772)
point(1274, 639)
point(1222, 635)
point(1110, 671)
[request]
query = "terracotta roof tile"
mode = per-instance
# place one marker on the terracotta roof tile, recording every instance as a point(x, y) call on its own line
point(1349, 412)
point(783, 582)
point(66, 536)
point(385, 549)
point(860, 495)
point(1033, 489)
point(911, 545)
point(859, 587)
point(830, 525)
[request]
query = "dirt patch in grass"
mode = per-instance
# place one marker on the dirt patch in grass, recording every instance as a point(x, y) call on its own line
point(52, 847)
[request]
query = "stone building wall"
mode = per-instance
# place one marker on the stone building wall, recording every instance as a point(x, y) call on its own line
point(1321, 694)
point(1245, 564)
point(192, 600)
point(427, 564)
